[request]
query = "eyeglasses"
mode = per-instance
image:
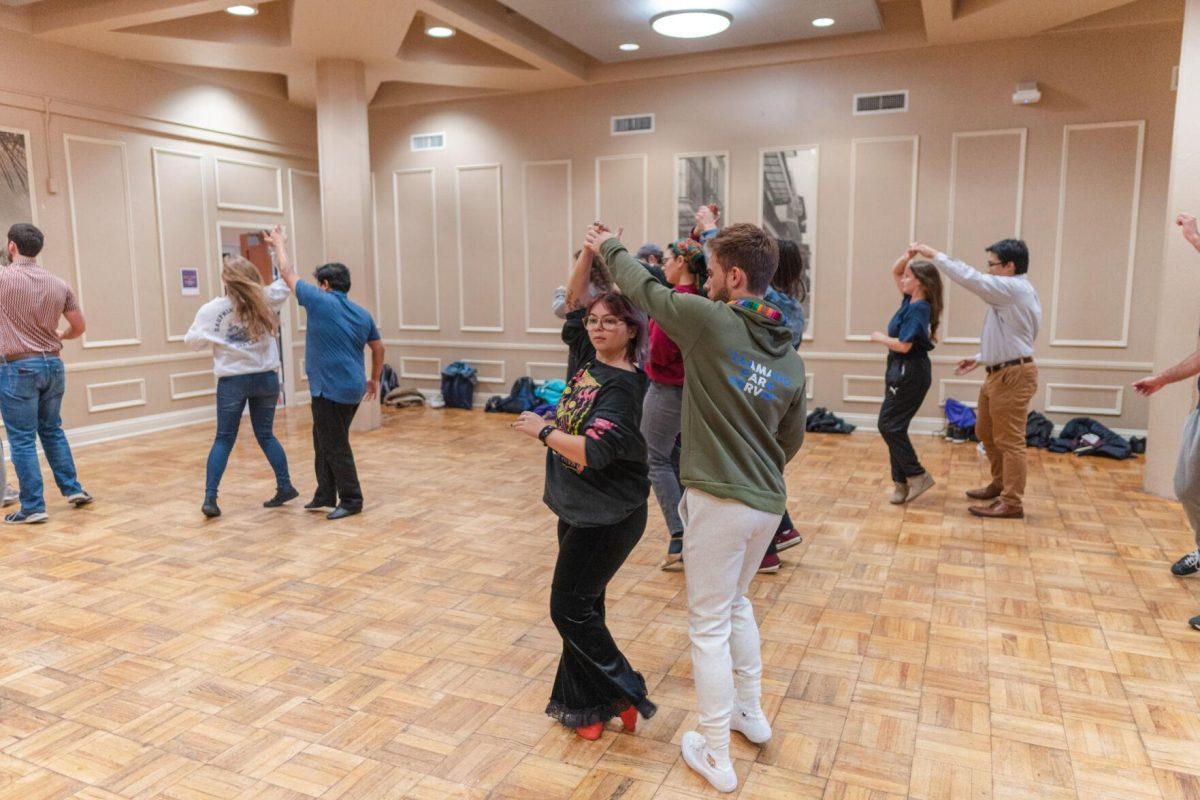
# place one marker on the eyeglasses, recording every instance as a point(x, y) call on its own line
point(604, 323)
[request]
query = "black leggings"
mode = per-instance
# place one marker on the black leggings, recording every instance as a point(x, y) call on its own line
point(906, 384)
point(594, 682)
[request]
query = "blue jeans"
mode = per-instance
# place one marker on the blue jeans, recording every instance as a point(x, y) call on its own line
point(31, 392)
point(261, 391)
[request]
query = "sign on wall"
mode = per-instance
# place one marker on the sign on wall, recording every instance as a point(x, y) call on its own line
point(189, 281)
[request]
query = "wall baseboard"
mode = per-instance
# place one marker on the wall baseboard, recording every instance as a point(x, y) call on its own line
point(136, 426)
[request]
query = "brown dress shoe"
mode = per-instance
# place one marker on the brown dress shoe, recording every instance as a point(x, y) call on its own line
point(988, 492)
point(998, 510)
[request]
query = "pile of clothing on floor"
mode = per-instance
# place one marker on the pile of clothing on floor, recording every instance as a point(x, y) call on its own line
point(1082, 436)
point(526, 395)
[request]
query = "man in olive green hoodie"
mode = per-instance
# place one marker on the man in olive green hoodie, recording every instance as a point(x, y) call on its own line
point(743, 420)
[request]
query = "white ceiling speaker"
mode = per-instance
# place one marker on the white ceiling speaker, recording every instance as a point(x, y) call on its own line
point(1026, 94)
point(242, 10)
point(692, 23)
point(437, 29)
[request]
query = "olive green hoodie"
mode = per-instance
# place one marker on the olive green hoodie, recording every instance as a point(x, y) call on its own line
point(743, 399)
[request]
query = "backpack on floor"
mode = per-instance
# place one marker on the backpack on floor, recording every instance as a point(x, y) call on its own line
point(822, 420)
point(388, 380)
point(521, 398)
point(1038, 430)
point(458, 385)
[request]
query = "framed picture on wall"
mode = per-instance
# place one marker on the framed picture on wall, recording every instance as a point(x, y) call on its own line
point(16, 179)
point(788, 205)
point(700, 179)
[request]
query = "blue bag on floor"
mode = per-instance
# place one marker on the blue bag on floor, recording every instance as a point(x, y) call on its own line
point(958, 415)
point(458, 385)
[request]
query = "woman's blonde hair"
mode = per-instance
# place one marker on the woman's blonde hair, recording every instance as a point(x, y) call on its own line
point(243, 287)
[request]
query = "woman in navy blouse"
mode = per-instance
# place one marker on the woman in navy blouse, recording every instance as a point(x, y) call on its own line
point(910, 336)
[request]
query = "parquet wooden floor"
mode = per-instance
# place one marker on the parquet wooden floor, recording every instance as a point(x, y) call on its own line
point(407, 653)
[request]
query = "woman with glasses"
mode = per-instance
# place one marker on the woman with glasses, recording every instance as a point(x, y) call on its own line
point(685, 269)
point(596, 483)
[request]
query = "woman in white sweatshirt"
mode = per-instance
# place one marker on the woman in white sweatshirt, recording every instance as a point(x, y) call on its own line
point(241, 327)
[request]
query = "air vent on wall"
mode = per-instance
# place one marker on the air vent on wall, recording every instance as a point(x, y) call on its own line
point(429, 141)
point(633, 123)
point(881, 103)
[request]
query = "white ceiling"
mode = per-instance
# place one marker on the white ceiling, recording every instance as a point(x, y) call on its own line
point(597, 26)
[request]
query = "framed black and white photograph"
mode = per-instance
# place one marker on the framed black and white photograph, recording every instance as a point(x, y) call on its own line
point(788, 190)
point(700, 179)
point(16, 179)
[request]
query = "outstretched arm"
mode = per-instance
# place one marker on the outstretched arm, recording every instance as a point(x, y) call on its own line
point(680, 315)
point(1188, 223)
point(277, 239)
point(991, 289)
point(1185, 369)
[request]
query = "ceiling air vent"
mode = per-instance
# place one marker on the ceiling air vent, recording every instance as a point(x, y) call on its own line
point(633, 123)
point(881, 103)
point(428, 141)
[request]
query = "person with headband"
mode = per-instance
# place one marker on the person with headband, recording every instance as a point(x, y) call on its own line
point(596, 484)
point(684, 266)
point(241, 328)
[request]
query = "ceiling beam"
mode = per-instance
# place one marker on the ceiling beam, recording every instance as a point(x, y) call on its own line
point(957, 21)
point(60, 16)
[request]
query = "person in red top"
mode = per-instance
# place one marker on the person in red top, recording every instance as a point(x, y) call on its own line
point(685, 268)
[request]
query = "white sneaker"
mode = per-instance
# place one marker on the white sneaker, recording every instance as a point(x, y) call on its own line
point(753, 726)
point(697, 756)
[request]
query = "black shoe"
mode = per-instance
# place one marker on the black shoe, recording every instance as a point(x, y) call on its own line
point(342, 511)
point(210, 508)
point(1195, 622)
point(1189, 564)
point(318, 505)
point(281, 497)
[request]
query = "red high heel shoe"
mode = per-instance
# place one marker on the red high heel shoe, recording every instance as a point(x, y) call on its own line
point(629, 718)
point(590, 732)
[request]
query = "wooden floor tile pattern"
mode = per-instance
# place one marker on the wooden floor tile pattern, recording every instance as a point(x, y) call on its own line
point(146, 652)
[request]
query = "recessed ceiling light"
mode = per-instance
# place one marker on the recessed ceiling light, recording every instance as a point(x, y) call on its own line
point(691, 23)
point(629, 47)
point(822, 22)
point(437, 29)
point(242, 11)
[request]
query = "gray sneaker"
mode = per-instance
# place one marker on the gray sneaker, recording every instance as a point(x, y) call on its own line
point(918, 486)
point(899, 493)
point(11, 496)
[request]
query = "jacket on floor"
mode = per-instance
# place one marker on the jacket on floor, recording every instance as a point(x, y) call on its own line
point(1085, 436)
point(743, 399)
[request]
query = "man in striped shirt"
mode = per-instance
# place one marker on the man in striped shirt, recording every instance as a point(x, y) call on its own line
point(32, 379)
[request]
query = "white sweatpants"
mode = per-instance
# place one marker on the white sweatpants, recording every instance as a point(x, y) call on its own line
point(724, 543)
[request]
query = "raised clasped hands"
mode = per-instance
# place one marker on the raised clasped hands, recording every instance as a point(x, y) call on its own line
point(923, 250)
point(597, 234)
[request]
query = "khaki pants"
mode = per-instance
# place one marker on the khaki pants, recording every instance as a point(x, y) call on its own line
point(1000, 425)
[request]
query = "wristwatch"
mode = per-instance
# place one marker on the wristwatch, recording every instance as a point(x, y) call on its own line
point(545, 432)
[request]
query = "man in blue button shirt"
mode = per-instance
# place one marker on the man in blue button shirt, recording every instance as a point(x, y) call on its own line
point(338, 330)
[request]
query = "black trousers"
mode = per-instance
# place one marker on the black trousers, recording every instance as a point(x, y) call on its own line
point(594, 681)
point(906, 384)
point(337, 478)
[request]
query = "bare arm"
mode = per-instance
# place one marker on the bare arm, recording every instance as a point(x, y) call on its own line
point(577, 282)
point(1188, 223)
point(891, 342)
point(377, 351)
point(278, 241)
point(1188, 368)
point(899, 267)
point(75, 325)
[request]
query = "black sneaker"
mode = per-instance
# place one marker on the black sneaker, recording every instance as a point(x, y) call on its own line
point(210, 508)
point(26, 517)
point(281, 497)
point(1189, 564)
point(1195, 623)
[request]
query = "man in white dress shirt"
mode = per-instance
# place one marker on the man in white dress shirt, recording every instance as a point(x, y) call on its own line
point(1010, 327)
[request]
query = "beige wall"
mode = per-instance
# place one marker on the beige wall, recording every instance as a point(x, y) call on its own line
point(1087, 170)
point(133, 171)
